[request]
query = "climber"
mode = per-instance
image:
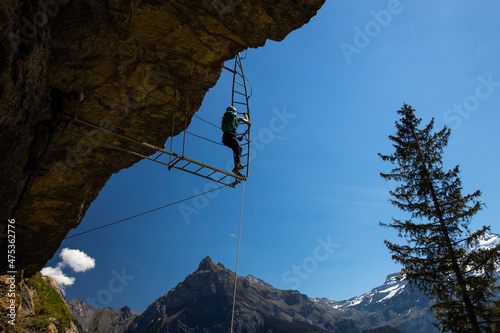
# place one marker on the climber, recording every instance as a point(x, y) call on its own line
point(229, 125)
point(59, 105)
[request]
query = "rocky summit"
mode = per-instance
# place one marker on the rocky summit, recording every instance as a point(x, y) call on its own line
point(102, 320)
point(203, 303)
point(144, 67)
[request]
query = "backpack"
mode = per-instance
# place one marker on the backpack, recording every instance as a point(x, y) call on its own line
point(229, 122)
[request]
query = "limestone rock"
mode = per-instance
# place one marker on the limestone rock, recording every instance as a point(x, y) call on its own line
point(143, 65)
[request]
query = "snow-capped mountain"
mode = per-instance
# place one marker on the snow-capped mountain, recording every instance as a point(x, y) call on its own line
point(490, 240)
point(378, 298)
point(395, 303)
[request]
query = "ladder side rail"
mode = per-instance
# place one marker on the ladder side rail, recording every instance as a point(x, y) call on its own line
point(234, 77)
point(247, 135)
point(126, 137)
point(149, 146)
point(206, 177)
point(170, 165)
point(121, 149)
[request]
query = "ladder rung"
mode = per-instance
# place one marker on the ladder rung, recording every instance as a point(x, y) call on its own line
point(199, 169)
point(241, 103)
point(185, 165)
point(243, 94)
point(174, 162)
point(241, 84)
point(143, 152)
point(110, 142)
point(97, 133)
point(127, 148)
point(157, 157)
point(244, 155)
point(212, 173)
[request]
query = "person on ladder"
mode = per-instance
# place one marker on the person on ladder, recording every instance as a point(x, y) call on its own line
point(229, 126)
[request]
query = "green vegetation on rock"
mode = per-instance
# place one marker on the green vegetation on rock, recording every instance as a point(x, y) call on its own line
point(50, 308)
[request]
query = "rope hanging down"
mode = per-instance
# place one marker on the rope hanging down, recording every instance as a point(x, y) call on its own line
point(237, 257)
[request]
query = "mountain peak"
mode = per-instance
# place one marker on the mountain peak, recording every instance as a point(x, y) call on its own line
point(207, 264)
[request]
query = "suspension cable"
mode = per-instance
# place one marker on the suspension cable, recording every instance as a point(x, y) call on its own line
point(207, 121)
point(144, 213)
point(206, 139)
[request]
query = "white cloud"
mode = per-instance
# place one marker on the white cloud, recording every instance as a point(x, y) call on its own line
point(57, 274)
point(78, 260)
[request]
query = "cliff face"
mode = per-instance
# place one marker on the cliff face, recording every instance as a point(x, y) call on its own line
point(143, 65)
point(40, 307)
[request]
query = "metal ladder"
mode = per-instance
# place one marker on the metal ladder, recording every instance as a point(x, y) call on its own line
point(125, 143)
point(239, 99)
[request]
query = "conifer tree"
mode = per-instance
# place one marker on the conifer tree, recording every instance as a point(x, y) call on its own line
point(438, 257)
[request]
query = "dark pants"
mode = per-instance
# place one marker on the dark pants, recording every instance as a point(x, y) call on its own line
point(229, 139)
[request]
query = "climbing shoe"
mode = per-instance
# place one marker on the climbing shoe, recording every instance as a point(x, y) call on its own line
point(237, 172)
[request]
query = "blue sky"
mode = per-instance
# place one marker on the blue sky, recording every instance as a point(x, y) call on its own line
point(324, 102)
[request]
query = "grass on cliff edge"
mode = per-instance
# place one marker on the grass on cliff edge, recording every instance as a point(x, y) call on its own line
point(50, 305)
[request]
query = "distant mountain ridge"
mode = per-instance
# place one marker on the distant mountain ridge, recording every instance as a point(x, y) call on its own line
point(101, 320)
point(393, 304)
point(203, 303)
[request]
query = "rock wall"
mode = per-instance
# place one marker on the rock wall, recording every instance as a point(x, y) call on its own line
point(143, 65)
point(39, 307)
